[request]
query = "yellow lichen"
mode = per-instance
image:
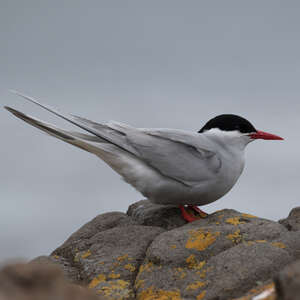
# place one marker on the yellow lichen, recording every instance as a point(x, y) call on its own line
point(130, 267)
point(201, 295)
point(251, 243)
point(146, 267)
point(56, 256)
point(153, 294)
point(180, 273)
point(248, 216)
point(218, 223)
point(193, 263)
point(234, 221)
point(114, 265)
point(139, 283)
point(119, 289)
point(122, 257)
point(260, 241)
point(173, 246)
point(279, 245)
point(235, 237)
point(98, 279)
point(86, 254)
point(200, 240)
point(202, 273)
point(113, 275)
point(196, 285)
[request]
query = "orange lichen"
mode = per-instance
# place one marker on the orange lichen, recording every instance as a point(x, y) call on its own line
point(118, 289)
point(234, 221)
point(152, 294)
point(122, 257)
point(201, 295)
point(130, 267)
point(113, 275)
point(173, 246)
point(196, 285)
point(248, 216)
point(98, 279)
point(146, 267)
point(179, 272)
point(260, 241)
point(251, 243)
point(200, 240)
point(86, 254)
point(279, 245)
point(193, 263)
point(56, 256)
point(139, 283)
point(235, 237)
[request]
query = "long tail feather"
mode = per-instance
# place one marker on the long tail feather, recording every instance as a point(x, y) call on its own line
point(75, 138)
point(82, 123)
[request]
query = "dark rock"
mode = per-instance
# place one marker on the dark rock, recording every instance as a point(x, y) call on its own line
point(288, 282)
point(152, 254)
point(292, 222)
point(80, 239)
point(39, 282)
point(146, 213)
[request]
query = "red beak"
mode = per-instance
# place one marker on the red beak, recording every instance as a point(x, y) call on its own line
point(265, 136)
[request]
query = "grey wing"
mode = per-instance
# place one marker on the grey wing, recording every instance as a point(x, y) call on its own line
point(178, 155)
point(183, 156)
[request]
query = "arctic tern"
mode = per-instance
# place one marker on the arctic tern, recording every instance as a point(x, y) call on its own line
point(167, 166)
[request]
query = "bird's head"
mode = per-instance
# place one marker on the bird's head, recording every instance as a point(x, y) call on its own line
point(235, 128)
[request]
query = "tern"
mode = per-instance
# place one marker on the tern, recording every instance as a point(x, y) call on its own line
point(168, 166)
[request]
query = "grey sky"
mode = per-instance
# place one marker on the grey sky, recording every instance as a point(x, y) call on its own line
point(151, 64)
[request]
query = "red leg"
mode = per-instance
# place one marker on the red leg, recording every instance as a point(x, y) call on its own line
point(200, 212)
point(186, 215)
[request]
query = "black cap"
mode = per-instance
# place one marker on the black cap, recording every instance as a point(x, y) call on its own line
point(229, 122)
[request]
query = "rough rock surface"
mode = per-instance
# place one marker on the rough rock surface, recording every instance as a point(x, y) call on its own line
point(150, 253)
point(39, 282)
point(288, 282)
point(292, 222)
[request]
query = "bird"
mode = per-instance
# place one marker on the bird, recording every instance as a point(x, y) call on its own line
point(170, 167)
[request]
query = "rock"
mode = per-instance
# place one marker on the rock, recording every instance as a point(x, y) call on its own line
point(107, 253)
point(146, 213)
point(264, 291)
point(151, 253)
point(292, 222)
point(288, 282)
point(39, 282)
point(71, 273)
point(219, 257)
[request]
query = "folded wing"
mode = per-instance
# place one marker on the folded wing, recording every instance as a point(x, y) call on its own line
point(181, 156)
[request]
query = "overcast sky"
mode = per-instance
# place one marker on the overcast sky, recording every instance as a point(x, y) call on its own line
point(172, 64)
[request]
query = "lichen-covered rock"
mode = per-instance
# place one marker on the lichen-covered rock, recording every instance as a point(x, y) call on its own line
point(107, 253)
point(288, 282)
point(151, 253)
point(219, 257)
point(292, 222)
